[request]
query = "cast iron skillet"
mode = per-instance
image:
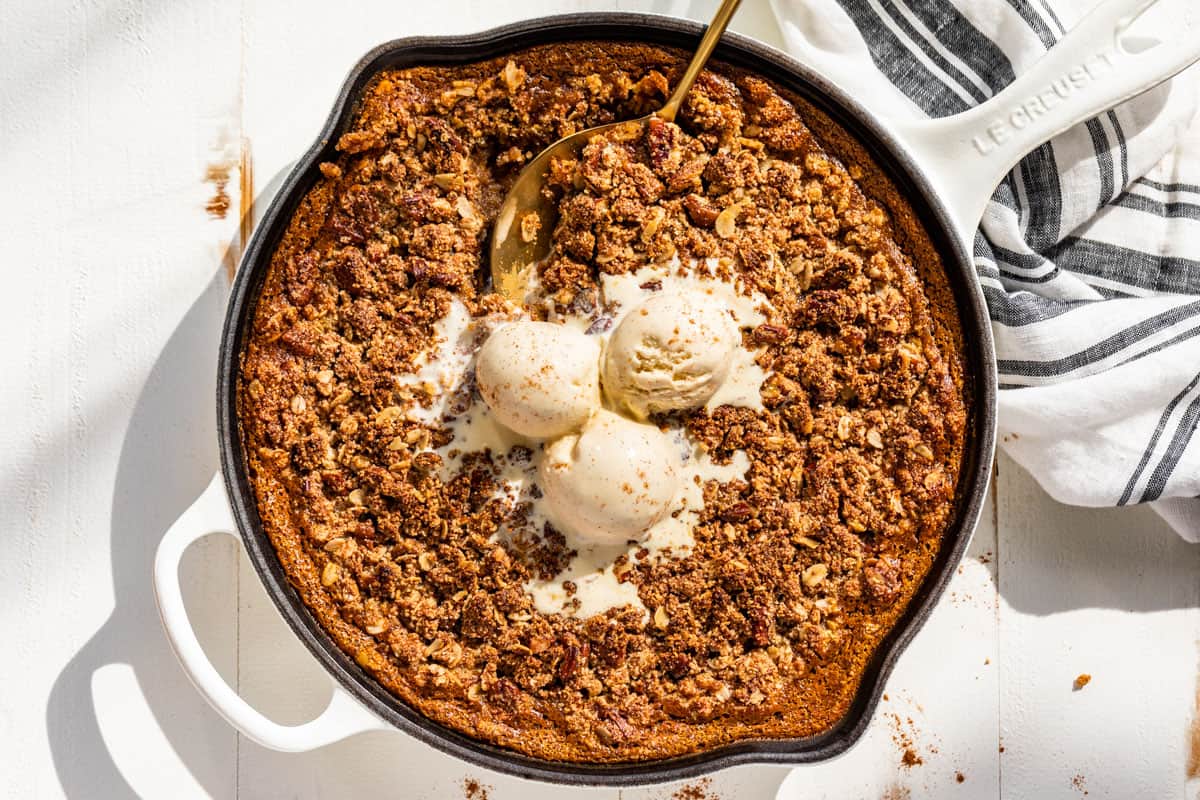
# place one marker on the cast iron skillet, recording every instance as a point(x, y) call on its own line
point(890, 146)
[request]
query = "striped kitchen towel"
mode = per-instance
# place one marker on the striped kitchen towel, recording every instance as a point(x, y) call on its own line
point(1089, 255)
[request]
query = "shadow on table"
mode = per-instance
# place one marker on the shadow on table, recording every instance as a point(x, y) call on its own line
point(1057, 558)
point(173, 415)
point(168, 457)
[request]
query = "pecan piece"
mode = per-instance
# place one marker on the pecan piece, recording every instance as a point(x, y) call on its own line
point(770, 334)
point(738, 512)
point(662, 143)
point(617, 727)
point(574, 657)
point(677, 665)
point(686, 176)
point(881, 580)
point(700, 211)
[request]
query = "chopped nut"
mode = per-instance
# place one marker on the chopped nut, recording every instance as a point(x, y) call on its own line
point(924, 452)
point(530, 224)
point(357, 497)
point(464, 208)
point(397, 443)
point(449, 181)
point(726, 222)
point(388, 414)
point(770, 334)
point(814, 575)
point(449, 654)
point(514, 76)
point(652, 223)
point(661, 620)
point(874, 439)
point(330, 573)
point(298, 404)
point(909, 351)
point(426, 561)
point(369, 659)
point(325, 376)
point(349, 426)
point(738, 512)
point(796, 479)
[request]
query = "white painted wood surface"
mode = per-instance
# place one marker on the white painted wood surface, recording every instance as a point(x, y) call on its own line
point(116, 119)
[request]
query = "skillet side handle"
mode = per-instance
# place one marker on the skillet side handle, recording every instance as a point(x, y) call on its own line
point(341, 718)
point(1119, 50)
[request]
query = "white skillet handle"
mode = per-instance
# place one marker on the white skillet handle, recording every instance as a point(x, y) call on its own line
point(341, 718)
point(1113, 54)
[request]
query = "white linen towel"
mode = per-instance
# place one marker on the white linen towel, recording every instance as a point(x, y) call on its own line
point(1089, 252)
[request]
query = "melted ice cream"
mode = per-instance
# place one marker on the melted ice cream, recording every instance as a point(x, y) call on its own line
point(591, 572)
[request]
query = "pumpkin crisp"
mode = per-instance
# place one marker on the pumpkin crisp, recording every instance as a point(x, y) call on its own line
point(798, 570)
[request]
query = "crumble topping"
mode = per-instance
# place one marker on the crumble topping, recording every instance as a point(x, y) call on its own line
point(845, 434)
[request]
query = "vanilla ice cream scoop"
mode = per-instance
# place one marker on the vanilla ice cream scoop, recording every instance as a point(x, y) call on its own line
point(611, 482)
point(669, 353)
point(538, 378)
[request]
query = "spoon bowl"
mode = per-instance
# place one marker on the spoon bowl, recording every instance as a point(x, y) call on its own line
point(525, 223)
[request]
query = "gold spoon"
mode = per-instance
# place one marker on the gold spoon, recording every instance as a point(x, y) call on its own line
point(516, 246)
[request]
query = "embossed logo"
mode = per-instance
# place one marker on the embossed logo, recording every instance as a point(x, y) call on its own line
point(1001, 130)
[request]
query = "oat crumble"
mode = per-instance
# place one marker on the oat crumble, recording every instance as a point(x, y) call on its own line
point(797, 572)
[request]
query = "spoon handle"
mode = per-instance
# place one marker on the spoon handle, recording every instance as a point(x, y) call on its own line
point(712, 35)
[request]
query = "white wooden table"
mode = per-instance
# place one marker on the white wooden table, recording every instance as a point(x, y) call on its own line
point(126, 127)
